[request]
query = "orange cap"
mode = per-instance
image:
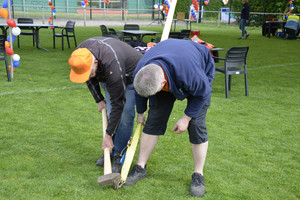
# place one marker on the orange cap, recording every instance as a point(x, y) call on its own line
point(81, 61)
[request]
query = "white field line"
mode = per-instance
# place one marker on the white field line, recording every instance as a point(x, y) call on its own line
point(273, 66)
point(81, 86)
point(41, 90)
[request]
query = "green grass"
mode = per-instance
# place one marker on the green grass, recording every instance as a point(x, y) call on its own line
point(50, 130)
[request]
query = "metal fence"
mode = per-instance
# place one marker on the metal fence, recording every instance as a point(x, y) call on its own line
point(116, 11)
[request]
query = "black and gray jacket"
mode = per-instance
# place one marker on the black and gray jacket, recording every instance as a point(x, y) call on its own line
point(245, 12)
point(116, 63)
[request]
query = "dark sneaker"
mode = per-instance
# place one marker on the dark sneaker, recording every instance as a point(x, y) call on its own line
point(247, 36)
point(136, 174)
point(117, 166)
point(100, 161)
point(197, 185)
point(241, 38)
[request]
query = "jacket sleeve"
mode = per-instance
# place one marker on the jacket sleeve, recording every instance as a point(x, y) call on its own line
point(93, 85)
point(141, 103)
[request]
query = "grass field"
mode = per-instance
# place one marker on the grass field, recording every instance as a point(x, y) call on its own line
point(50, 130)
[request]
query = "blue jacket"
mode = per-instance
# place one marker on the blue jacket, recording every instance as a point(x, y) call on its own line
point(245, 12)
point(189, 68)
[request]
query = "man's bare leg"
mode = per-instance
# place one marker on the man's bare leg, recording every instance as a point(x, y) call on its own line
point(199, 154)
point(147, 144)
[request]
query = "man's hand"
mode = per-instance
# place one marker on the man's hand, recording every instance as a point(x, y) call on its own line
point(182, 124)
point(141, 118)
point(107, 143)
point(101, 105)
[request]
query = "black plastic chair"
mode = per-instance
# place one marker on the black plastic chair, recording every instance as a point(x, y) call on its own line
point(234, 64)
point(175, 35)
point(26, 30)
point(67, 31)
point(3, 54)
point(106, 33)
point(114, 32)
point(126, 37)
point(184, 33)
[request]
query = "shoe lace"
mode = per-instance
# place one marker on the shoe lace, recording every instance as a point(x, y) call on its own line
point(197, 179)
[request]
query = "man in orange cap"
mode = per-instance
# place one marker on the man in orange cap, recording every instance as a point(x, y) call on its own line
point(110, 63)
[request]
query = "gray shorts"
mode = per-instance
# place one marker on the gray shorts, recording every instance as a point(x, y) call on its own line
point(161, 106)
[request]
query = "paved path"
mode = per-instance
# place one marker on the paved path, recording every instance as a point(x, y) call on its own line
point(80, 22)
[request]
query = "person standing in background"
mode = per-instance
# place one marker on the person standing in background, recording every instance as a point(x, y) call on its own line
point(245, 14)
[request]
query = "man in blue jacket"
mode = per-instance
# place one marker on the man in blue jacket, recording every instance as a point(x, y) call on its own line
point(174, 69)
point(245, 15)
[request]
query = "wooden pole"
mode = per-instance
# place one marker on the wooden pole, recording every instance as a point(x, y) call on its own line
point(168, 24)
point(11, 42)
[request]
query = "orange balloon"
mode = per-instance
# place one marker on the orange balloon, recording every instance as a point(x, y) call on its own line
point(10, 69)
point(291, 2)
point(4, 13)
point(205, 2)
point(49, 21)
point(52, 7)
point(87, 4)
point(7, 44)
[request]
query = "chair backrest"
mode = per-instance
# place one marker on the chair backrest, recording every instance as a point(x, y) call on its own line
point(131, 27)
point(70, 26)
point(112, 31)
point(2, 43)
point(174, 35)
point(185, 33)
point(104, 30)
point(25, 21)
point(180, 15)
point(236, 56)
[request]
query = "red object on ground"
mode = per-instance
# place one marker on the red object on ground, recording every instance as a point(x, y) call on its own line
point(195, 32)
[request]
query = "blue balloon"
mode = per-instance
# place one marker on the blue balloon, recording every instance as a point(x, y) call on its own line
point(291, 5)
point(16, 63)
point(54, 10)
point(5, 3)
point(82, 3)
point(158, 5)
point(13, 38)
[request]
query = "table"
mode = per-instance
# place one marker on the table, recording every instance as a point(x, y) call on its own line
point(186, 21)
point(273, 23)
point(215, 53)
point(37, 28)
point(139, 34)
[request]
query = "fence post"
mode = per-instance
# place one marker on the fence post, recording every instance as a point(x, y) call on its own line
point(43, 14)
point(138, 8)
point(91, 10)
point(23, 8)
point(84, 16)
point(219, 16)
